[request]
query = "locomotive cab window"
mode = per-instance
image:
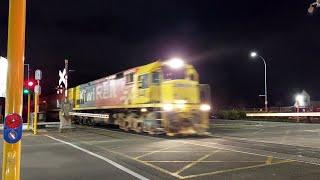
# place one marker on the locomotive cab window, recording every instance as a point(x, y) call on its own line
point(119, 75)
point(129, 78)
point(155, 78)
point(143, 81)
point(172, 74)
point(191, 77)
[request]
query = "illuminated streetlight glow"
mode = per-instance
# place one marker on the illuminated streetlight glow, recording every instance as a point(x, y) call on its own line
point(253, 54)
point(300, 99)
point(175, 63)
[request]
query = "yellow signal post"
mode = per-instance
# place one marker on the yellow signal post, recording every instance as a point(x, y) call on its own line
point(36, 110)
point(16, 45)
point(28, 116)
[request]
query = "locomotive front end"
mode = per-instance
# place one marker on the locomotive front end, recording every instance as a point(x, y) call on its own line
point(183, 111)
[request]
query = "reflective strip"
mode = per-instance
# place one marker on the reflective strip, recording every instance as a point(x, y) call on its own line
point(302, 114)
point(103, 116)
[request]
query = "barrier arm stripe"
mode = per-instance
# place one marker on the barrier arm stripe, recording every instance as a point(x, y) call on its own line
point(302, 114)
point(138, 176)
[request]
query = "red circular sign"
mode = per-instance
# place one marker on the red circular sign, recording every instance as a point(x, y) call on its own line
point(13, 121)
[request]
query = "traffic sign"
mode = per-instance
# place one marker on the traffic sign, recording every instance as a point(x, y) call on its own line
point(38, 75)
point(12, 131)
point(37, 89)
point(62, 75)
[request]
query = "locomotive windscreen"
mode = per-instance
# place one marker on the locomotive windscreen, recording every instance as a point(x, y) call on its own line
point(171, 74)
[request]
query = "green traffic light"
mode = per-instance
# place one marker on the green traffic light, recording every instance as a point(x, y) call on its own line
point(25, 91)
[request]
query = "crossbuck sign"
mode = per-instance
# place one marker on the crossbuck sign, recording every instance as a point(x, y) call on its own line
point(63, 78)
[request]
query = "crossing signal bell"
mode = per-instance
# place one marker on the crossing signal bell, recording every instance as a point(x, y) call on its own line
point(12, 131)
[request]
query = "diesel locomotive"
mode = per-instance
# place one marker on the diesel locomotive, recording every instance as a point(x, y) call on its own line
point(160, 97)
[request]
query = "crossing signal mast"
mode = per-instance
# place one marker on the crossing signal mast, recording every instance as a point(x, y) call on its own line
point(313, 7)
point(28, 91)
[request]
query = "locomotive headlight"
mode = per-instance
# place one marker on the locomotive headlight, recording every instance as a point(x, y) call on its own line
point(175, 63)
point(180, 104)
point(205, 107)
point(144, 110)
point(168, 107)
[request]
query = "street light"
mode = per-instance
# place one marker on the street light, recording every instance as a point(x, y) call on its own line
point(254, 54)
point(300, 100)
point(300, 103)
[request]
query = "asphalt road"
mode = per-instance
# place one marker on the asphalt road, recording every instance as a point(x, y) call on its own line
point(234, 150)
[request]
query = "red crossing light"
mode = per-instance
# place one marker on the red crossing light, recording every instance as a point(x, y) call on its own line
point(13, 121)
point(30, 83)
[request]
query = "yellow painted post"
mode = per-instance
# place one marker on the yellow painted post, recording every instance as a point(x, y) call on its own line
point(36, 110)
point(28, 116)
point(15, 55)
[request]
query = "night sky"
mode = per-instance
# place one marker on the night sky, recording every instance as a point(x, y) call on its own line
point(102, 37)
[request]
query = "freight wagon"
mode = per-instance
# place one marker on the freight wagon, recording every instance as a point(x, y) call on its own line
point(160, 97)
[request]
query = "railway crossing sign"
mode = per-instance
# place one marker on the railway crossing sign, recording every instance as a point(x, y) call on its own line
point(12, 130)
point(63, 78)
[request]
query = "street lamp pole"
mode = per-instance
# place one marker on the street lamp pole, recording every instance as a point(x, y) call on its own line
point(253, 55)
point(265, 85)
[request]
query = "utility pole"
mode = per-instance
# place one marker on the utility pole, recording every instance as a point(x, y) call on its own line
point(16, 47)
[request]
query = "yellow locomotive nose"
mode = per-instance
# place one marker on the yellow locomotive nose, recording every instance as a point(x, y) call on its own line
point(180, 91)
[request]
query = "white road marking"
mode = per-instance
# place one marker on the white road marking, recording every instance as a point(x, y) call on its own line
point(313, 130)
point(138, 176)
point(257, 154)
